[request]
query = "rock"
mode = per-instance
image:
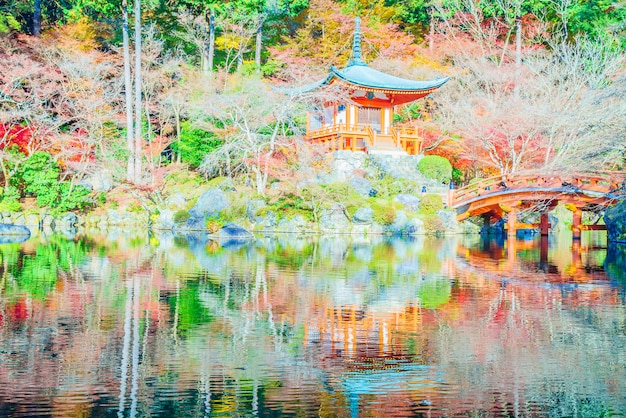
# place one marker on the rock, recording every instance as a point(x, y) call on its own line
point(14, 230)
point(361, 186)
point(363, 215)
point(295, 224)
point(334, 219)
point(414, 226)
point(69, 219)
point(18, 218)
point(210, 204)
point(449, 220)
point(615, 220)
point(343, 165)
point(252, 207)
point(176, 201)
point(398, 225)
point(114, 217)
point(233, 231)
point(410, 202)
point(32, 220)
point(269, 221)
point(100, 181)
point(165, 220)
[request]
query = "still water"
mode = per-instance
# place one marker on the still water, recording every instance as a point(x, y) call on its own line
point(136, 325)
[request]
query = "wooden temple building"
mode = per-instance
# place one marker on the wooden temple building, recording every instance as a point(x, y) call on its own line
point(365, 123)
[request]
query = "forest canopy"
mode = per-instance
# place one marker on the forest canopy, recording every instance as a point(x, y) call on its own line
point(137, 89)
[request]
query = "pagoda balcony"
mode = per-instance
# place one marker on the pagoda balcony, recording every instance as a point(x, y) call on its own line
point(364, 138)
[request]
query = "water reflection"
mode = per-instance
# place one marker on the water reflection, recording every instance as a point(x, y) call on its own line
point(135, 325)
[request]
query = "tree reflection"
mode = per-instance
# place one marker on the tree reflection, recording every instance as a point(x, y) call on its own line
point(329, 326)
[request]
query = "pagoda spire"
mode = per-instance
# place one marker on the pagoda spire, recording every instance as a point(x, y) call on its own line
point(356, 45)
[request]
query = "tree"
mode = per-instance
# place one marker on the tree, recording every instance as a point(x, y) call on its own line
point(252, 120)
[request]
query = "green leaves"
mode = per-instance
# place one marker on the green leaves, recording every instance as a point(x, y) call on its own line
point(40, 176)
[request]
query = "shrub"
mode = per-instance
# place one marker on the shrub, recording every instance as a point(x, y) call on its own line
point(181, 216)
point(436, 167)
point(384, 212)
point(433, 225)
point(39, 175)
point(214, 225)
point(430, 204)
point(194, 144)
point(9, 200)
point(389, 186)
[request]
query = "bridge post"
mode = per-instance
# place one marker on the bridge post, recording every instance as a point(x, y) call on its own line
point(576, 223)
point(544, 225)
point(512, 222)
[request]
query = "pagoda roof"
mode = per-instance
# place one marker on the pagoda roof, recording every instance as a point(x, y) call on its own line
point(359, 75)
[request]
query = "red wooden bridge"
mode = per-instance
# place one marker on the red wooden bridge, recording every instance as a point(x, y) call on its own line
point(502, 196)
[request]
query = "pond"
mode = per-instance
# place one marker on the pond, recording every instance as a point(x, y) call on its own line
point(131, 324)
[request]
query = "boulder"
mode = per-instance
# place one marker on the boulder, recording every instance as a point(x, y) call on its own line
point(100, 181)
point(295, 224)
point(414, 226)
point(361, 186)
point(165, 220)
point(398, 225)
point(410, 202)
point(269, 221)
point(210, 204)
point(615, 220)
point(176, 201)
point(334, 219)
point(449, 220)
point(233, 231)
point(67, 220)
point(14, 230)
point(363, 215)
point(252, 207)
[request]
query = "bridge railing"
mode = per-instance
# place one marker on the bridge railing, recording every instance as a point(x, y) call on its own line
point(602, 182)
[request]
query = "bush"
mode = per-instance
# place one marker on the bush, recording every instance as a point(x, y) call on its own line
point(194, 144)
point(39, 176)
point(384, 212)
point(388, 186)
point(9, 200)
point(436, 167)
point(430, 204)
point(181, 216)
point(433, 225)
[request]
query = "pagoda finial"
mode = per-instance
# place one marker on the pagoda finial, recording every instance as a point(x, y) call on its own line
point(356, 46)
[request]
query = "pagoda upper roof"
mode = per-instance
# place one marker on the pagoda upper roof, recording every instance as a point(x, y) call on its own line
point(361, 75)
point(358, 74)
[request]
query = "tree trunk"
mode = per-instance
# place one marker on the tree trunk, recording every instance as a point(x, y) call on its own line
point(138, 107)
point(37, 18)
point(211, 39)
point(431, 30)
point(177, 116)
point(518, 54)
point(128, 93)
point(259, 44)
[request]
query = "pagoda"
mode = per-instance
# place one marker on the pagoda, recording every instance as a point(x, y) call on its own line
point(366, 122)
